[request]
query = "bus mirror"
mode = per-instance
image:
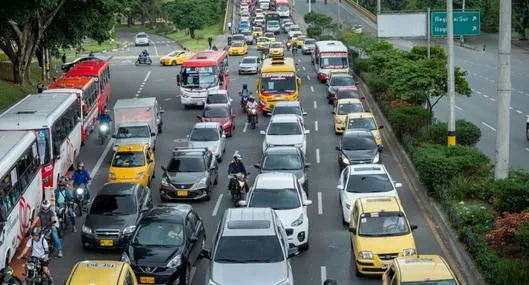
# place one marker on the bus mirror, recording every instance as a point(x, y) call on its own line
point(178, 80)
point(299, 81)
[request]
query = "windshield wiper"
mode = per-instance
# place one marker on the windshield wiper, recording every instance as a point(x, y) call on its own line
point(258, 261)
point(229, 260)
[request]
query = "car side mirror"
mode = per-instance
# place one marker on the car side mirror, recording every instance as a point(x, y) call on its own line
point(339, 187)
point(144, 209)
point(205, 254)
point(199, 117)
point(307, 202)
point(305, 113)
point(338, 148)
point(307, 165)
point(153, 134)
point(193, 239)
point(262, 132)
point(362, 98)
point(307, 132)
point(380, 148)
point(352, 230)
point(233, 115)
point(413, 227)
point(257, 166)
point(398, 185)
point(150, 161)
point(178, 80)
point(380, 127)
point(86, 206)
point(242, 203)
point(356, 84)
point(212, 168)
point(298, 80)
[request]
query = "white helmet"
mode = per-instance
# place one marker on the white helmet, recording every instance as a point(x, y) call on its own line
point(45, 205)
point(237, 156)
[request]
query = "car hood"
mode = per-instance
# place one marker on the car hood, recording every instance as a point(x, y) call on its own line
point(258, 273)
point(284, 140)
point(120, 222)
point(360, 154)
point(185, 177)
point(152, 256)
point(209, 144)
point(289, 216)
point(309, 46)
point(385, 245)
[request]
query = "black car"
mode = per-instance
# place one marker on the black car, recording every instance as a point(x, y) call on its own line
point(190, 174)
point(356, 147)
point(347, 93)
point(113, 215)
point(166, 244)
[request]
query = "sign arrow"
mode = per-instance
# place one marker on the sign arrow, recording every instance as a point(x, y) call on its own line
point(474, 18)
point(474, 28)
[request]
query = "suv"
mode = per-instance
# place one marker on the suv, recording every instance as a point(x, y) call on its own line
point(141, 39)
point(286, 159)
point(250, 244)
point(113, 215)
point(364, 180)
point(190, 174)
point(289, 107)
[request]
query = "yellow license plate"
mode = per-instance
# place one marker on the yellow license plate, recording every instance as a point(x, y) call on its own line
point(182, 193)
point(106, 242)
point(147, 279)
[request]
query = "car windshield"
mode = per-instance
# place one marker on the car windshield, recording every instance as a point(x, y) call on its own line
point(282, 8)
point(287, 110)
point(362, 123)
point(309, 42)
point(341, 81)
point(278, 84)
point(186, 164)
point(359, 142)
point(263, 40)
point(237, 39)
point(269, 35)
point(114, 205)
point(133, 132)
point(284, 129)
point(129, 159)
point(276, 45)
point(295, 29)
point(347, 94)
point(431, 282)
point(159, 233)
point(333, 62)
point(204, 134)
point(257, 29)
point(249, 249)
point(215, 113)
point(139, 36)
point(372, 183)
point(383, 224)
point(247, 33)
point(217, 99)
point(282, 161)
point(173, 53)
point(237, 45)
point(250, 60)
point(277, 199)
point(344, 109)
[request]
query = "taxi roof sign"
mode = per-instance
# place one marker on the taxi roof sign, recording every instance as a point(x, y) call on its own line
point(100, 265)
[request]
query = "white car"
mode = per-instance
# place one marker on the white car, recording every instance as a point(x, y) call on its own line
point(364, 180)
point(245, 16)
point(218, 96)
point(285, 130)
point(357, 29)
point(283, 193)
point(141, 39)
point(259, 21)
point(293, 30)
point(208, 135)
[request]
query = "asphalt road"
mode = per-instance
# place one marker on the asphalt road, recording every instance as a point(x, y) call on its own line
point(330, 251)
point(482, 75)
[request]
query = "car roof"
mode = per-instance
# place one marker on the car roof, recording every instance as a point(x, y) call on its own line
point(288, 104)
point(237, 35)
point(217, 106)
point(275, 180)
point(361, 115)
point(380, 204)
point(120, 188)
point(168, 212)
point(206, 125)
point(141, 33)
point(282, 150)
point(131, 147)
point(188, 151)
point(250, 56)
point(284, 118)
point(349, 101)
point(96, 272)
point(340, 74)
point(366, 169)
point(218, 91)
point(416, 268)
point(249, 222)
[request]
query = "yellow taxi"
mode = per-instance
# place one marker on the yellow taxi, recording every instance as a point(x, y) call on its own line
point(380, 232)
point(364, 121)
point(343, 108)
point(262, 43)
point(421, 269)
point(132, 163)
point(299, 39)
point(176, 57)
point(271, 36)
point(276, 49)
point(102, 272)
point(257, 32)
point(238, 48)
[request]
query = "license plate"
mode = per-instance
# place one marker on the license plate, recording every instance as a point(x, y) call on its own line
point(181, 193)
point(147, 279)
point(385, 266)
point(106, 242)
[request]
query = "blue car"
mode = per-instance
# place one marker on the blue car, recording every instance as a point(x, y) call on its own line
point(244, 26)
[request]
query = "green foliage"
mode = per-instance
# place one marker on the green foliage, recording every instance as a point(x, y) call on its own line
point(461, 188)
point(193, 14)
point(466, 133)
point(476, 216)
point(361, 65)
point(408, 120)
point(314, 31)
point(512, 194)
point(318, 24)
point(438, 164)
point(521, 17)
point(377, 84)
point(522, 236)
point(421, 52)
point(510, 271)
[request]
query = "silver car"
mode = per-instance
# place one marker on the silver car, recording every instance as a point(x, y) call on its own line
point(249, 65)
point(237, 256)
point(309, 44)
point(141, 39)
point(285, 130)
point(289, 107)
point(286, 159)
point(218, 96)
point(248, 37)
point(208, 135)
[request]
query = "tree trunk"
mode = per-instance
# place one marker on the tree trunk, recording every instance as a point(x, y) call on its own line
point(38, 54)
point(129, 21)
point(192, 33)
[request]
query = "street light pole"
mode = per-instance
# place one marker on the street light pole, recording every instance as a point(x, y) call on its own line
point(451, 79)
point(339, 8)
point(310, 6)
point(378, 7)
point(501, 169)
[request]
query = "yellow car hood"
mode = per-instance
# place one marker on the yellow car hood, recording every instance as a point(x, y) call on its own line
point(384, 245)
point(127, 172)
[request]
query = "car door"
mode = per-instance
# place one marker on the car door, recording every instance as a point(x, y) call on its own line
point(222, 140)
point(342, 181)
point(353, 226)
point(150, 161)
point(200, 235)
point(212, 168)
point(191, 234)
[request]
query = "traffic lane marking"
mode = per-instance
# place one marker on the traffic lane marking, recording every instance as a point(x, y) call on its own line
point(488, 126)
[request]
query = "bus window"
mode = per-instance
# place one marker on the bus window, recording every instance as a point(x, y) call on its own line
point(43, 146)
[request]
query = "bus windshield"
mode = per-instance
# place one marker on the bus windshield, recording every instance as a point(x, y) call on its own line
point(272, 83)
point(282, 8)
point(334, 62)
point(199, 77)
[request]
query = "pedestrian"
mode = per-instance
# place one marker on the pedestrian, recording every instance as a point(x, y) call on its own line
point(229, 26)
point(63, 58)
point(40, 87)
point(210, 40)
point(484, 47)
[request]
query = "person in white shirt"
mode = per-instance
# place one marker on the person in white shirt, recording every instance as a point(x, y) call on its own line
point(251, 105)
point(39, 249)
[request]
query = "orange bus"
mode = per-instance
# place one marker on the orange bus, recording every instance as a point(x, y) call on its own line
point(99, 69)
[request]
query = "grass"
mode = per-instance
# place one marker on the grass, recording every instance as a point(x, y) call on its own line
point(201, 37)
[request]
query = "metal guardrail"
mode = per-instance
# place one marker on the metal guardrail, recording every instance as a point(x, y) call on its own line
point(363, 10)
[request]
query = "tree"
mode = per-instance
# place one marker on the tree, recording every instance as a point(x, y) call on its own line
point(146, 10)
point(193, 14)
point(521, 17)
point(319, 23)
point(22, 25)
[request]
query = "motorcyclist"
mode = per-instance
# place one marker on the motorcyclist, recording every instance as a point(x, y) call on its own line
point(251, 105)
point(294, 48)
point(39, 249)
point(144, 55)
point(81, 176)
point(63, 195)
point(244, 90)
point(48, 219)
point(105, 117)
point(237, 167)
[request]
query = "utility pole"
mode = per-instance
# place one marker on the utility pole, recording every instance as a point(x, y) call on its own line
point(339, 8)
point(451, 79)
point(429, 27)
point(310, 6)
point(463, 37)
point(44, 63)
point(378, 6)
point(501, 169)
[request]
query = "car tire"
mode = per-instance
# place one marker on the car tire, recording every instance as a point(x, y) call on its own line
point(216, 180)
point(219, 159)
point(208, 194)
point(186, 106)
point(305, 246)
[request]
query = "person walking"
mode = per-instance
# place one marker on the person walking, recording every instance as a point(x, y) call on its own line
point(40, 87)
point(210, 40)
point(63, 58)
point(229, 26)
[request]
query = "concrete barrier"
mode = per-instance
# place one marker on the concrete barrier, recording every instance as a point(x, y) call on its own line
point(362, 10)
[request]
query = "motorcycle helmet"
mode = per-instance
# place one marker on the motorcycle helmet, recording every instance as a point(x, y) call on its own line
point(45, 205)
point(237, 156)
point(252, 99)
point(63, 180)
point(105, 111)
point(245, 86)
point(36, 231)
point(8, 273)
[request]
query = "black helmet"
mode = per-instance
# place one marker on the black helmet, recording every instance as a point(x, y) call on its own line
point(252, 99)
point(36, 231)
point(8, 273)
point(330, 282)
point(80, 164)
point(244, 86)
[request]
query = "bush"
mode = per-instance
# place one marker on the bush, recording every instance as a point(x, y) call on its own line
point(361, 65)
point(475, 215)
point(466, 133)
point(377, 84)
point(512, 194)
point(314, 32)
point(474, 187)
point(510, 271)
point(408, 120)
point(522, 236)
point(438, 164)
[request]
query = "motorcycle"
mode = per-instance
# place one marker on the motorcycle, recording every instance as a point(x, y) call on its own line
point(238, 185)
point(244, 99)
point(80, 197)
point(34, 273)
point(62, 215)
point(252, 116)
point(144, 60)
point(104, 131)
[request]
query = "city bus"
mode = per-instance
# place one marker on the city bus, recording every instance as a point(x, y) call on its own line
point(204, 71)
point(330, 56)
point(283, 8)
point(277, 82)
point(99, 69)
point(86, 88)
point(56, 120)
point(20, 189)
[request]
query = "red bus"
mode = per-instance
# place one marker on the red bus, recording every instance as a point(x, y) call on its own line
point(86, 89)
point(204, 71)
point(95, 68)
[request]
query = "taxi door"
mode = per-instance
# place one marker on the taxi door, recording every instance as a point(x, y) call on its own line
point(151, 162)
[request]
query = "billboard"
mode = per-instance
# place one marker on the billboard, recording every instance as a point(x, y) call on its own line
point(402, 25)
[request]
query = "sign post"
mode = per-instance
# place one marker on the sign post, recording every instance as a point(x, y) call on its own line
point(465, 24)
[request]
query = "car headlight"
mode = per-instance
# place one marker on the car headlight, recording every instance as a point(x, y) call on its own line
point(345, 160)
point(175, 262)
point(79, 191)
point(125, 258)
point(115, 147)
point(129, 230)
point(298, 221)
point(140, 175)
point(111, 176)
point(86, 230)
point(348, 206)
point(409, 251)
point(377, 158)
point(200, 184)
point(365, 255)
point(164, 182)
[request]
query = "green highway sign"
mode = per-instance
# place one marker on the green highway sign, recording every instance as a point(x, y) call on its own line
point(465, 24)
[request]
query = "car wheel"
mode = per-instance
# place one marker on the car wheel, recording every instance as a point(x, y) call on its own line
point(305, 246)
point(208, 194)
point(219, 159)
point(216, 180)
point(186, 106)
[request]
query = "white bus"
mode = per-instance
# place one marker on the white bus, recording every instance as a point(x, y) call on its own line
point(283, 8)
point(56, 119)
point(330, 56)
point(20, 189)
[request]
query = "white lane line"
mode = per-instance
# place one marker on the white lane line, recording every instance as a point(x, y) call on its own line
point(311, 89)
point(459, 108)
point(492, 99)
point(308, 77)
point(320, 204)
point(155, 49)
point(100, 160)
point(217, 205)
point(511, 108)
point(519, 112)
point(317, 155)
point(316, 125)
point(146, 77)
point(323, 274)
point(245, 127)
point(168, 99)
point(140, 89)
point(520, 91)
point(315, 105)
point(488, 126)
point(479, 92)
point(304, 68)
